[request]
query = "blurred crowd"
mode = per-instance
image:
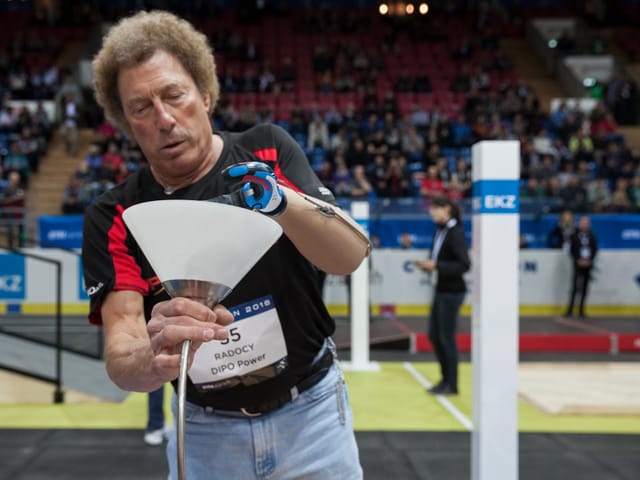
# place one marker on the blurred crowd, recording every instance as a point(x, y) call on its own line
point(398, 138)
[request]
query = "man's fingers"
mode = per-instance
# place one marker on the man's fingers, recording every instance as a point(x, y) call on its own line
point(222, 315)
point(172, 335)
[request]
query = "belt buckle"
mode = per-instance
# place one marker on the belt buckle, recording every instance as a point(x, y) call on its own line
point(247, 413)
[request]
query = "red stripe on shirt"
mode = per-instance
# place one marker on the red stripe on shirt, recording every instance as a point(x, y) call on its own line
point(271, 155)
point(268, 154)
point(282, 178)
point(128, 274)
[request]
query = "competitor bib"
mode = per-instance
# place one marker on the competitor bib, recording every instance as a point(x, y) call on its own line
point(254, 350)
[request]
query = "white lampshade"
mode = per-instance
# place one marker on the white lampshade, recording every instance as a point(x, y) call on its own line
point(200, 240)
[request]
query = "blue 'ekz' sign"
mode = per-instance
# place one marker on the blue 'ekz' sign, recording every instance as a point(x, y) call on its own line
point(12, 277)
point(496, 196)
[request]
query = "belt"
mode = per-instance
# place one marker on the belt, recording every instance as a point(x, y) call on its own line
point(318, 371)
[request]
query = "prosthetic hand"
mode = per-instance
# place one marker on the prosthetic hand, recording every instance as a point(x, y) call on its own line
point(258, 190)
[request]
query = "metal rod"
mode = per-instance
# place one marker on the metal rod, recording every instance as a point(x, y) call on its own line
point(58, 396)
point(182, 385)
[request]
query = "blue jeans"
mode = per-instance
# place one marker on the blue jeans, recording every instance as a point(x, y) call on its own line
point(311, 437)
point(155, 412)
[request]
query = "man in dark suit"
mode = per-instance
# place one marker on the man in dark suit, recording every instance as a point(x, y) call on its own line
point(583, 250)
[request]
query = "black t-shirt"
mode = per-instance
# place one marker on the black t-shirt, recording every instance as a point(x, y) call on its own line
point(113, 261)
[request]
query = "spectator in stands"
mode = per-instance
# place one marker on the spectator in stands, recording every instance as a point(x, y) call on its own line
point(545, 170)
point(287, 74)
point(480, 79)
point(405, 241)
point(338, 140)
point(341, 177)
point(634, 193)
point(324, 84)
point(560, 235)
point(76, 196)
point(583, 251)
point(94, 159)
point(333, 119)
point(267, 79)
point(69, 124)
point(84, 173)
point(419, 117)
point(41, 124)
point(454, 191)
point(623, 99)
point(461, 132)
point(450, 259)
point(357, 153)
point(462, 175)
point(412, 144)
point(573, 195)
point(12, 201)
point(18, 79)
point(230, 81)
point(317, 133)
point(389, 103)
point(397, 178)
point(360, 186)
point(69, 87)
point(298, 121)
point(248, 117)
point(377, 144)
point(620, 199)
point(370, 124)
point(431, 185)
point(351, 119)
point(31, 147)
point(249, 81)
point(344, 81)
point(542, 142)
point(325, 175)
point(580, 145)
point(16, 161)
point(393, 139)
point(532, 189)
point(111, 162)
point(377, 174)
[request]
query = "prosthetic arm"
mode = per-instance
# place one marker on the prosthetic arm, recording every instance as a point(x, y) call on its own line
point(323, 233)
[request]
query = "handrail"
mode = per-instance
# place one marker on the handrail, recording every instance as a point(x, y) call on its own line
point(36, 242)
point(11, 217)
point(58, 394)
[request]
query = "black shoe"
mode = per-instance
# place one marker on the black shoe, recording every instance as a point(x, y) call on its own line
point(443, 389)
point(449, 390)
point(436, 389)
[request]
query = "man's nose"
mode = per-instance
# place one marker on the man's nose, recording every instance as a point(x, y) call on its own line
point(164, 118)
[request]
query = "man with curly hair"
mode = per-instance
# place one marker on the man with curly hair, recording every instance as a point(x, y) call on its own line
point(155, 77)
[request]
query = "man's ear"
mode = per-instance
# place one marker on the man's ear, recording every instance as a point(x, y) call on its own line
point(206, 99)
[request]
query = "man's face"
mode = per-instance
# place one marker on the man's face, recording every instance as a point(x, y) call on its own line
point(168, 117)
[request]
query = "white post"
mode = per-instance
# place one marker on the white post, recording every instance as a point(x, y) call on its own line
point(495, 253)
point(359, 302)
